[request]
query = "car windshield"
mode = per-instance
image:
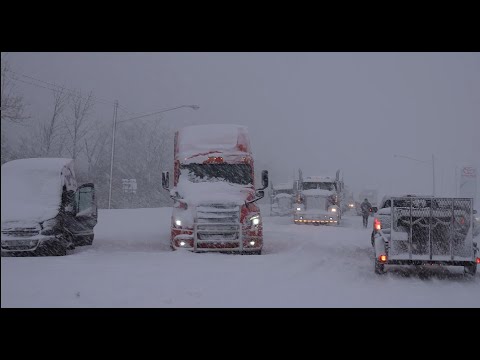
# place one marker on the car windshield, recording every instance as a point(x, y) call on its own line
point(232, 173)
point(319, 185)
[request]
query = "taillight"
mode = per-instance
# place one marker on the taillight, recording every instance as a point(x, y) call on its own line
point(478, 260)
point(377, 225)
point(382, 258)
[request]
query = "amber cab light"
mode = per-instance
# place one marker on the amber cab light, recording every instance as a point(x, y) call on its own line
point(377, 225)
point(382, 258)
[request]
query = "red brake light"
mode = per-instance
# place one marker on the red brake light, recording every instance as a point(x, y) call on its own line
point(478, 260)
point(382, 258)
point(377, 225)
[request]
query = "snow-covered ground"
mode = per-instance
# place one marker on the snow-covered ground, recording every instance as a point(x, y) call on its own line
point(130, 264)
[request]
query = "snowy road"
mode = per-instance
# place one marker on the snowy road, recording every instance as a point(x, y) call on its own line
point(130, 264)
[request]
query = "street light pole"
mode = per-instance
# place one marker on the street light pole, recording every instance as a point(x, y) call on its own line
point(113, 151)
point(194, 107)
point(422, 161)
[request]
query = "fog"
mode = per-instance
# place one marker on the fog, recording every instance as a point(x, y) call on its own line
point(316, 111)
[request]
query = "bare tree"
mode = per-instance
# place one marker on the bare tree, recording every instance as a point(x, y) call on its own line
point(12, 104)
point(94, 151)
point(78, 125)
point(50, 130)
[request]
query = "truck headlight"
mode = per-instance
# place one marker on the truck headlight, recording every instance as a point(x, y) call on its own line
point(178, 222)
point(333, 209)
point(298, 209)
point(254, 220)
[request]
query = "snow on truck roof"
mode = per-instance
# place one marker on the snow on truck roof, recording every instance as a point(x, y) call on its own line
point(31, 188)
point(203, 139)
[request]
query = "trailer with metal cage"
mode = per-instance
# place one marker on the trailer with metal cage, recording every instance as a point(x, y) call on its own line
point(415, 230)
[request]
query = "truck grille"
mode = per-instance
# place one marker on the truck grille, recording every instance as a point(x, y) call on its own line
point(217, 226)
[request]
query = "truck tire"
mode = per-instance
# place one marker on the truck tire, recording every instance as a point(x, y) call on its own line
point(82, 240)
point(470, 270)
point(379, 267)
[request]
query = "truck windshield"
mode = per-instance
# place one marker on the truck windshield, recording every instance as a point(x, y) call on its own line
point(322, 186)
point(232, 173)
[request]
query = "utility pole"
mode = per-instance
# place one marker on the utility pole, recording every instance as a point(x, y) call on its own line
point(433, 171)
point(115, 107)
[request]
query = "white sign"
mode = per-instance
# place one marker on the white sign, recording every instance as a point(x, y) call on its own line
point(129, 186)
point(469, 171)
point(468, 182)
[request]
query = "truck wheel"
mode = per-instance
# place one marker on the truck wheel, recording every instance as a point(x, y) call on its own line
point(82, 240)
point(379, 267)
point(470, 270)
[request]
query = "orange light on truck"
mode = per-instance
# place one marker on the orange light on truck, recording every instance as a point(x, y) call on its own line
point(382, 258)
point(214, 160)
point(377, 225)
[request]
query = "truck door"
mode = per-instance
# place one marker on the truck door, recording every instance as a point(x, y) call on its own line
point(86, 214)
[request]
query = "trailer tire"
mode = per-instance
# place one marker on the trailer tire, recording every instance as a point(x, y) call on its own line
point(470, 270)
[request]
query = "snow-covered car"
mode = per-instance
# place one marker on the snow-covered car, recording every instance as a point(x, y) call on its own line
point(44, 211)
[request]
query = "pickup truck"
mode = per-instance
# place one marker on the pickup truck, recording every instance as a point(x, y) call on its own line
point(419, 230)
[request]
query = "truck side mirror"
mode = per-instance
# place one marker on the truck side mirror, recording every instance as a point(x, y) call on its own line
point(165, 180)
point(264, 179)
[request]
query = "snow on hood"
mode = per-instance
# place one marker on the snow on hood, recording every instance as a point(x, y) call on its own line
point(212, 138)
point(317, 192)
point(31, 190)
point(212, 192)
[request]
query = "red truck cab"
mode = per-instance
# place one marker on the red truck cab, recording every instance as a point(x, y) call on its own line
point(214, 191)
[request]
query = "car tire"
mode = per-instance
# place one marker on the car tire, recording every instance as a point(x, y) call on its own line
point(82, 240)
point(470, 270)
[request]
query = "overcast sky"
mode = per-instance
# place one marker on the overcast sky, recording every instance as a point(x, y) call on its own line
point(316, 111)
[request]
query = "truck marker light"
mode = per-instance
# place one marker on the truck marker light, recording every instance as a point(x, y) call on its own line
point(382, 258)
point(377, 225)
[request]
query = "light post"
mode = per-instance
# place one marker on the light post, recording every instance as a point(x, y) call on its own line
point(425, 162)
point(194, 107)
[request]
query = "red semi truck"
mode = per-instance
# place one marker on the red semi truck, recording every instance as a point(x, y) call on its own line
point(214, 191)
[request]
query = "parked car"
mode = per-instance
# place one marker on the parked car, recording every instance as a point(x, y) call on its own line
point(44, 211)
